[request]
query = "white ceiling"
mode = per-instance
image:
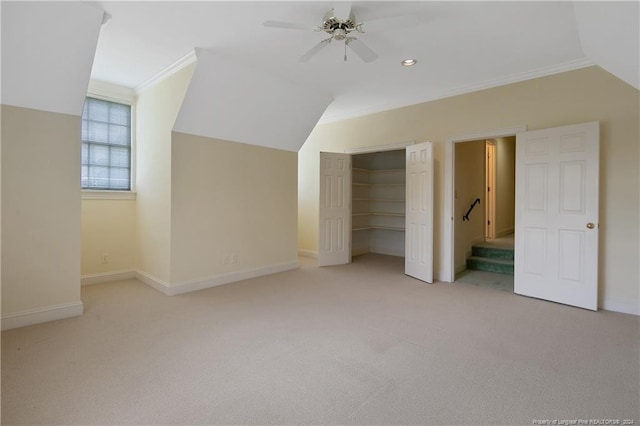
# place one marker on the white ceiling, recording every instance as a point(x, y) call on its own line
point(460, 46)
point(35, 36)
point(48, 47)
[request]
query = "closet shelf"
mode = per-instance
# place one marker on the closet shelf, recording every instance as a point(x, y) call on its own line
point(379, 184)
point(391, 200)
point(389, 228)
point(379, 171)
point(379, 214)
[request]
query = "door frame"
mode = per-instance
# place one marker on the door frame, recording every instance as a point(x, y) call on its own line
point(447, 269)
point(490, 189)
point(378, 148)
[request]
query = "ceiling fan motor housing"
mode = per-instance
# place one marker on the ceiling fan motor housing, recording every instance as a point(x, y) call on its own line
point(339, 29)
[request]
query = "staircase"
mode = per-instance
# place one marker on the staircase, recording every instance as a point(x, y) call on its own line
point(488, 257)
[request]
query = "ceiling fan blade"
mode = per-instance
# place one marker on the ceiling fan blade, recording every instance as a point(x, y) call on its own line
point(342, 10)
point(362, 50)
point(286, 25)
point(315, 49)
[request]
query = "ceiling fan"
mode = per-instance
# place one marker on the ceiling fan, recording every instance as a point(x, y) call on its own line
point(340, 24)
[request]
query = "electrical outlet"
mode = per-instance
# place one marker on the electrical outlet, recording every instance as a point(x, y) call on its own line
point(104, 258)
point(234, 258)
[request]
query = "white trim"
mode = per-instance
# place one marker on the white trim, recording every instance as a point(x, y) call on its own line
point(308, 253)
point(91, 194)
point(181, 63)
point(487, 84)
point(111, 92)
point(504, 232)
point(447, 267)
point(104, 277)
point(386, 251)
point(230, 277)
point(213, 281)
point(157, 283)
point(40, 315)
point(379, 148)
point(624, 306)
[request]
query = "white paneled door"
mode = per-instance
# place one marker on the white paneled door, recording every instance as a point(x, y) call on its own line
point(556, 237)
point(419, 212)
point(335, 209)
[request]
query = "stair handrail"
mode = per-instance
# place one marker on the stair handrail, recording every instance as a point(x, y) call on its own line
point(466, 216)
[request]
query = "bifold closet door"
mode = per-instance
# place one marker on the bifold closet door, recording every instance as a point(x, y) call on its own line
point(419, 212)
point(334, 238)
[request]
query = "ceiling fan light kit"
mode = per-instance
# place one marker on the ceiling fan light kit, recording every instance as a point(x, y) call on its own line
point(337, 29)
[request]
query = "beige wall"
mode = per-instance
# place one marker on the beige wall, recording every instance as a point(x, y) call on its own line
point(573, 97)
point(230, 199)
point(157, 109)
point(40, 209)
point(108, 227)
point(505, 185)
point(469, 185)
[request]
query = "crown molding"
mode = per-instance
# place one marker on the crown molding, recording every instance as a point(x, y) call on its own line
point(110, 91)
point(487, 84)
point(181, 63)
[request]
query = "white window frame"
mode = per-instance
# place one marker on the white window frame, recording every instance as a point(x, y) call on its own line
point(122, 95)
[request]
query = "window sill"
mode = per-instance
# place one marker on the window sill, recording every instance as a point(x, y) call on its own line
point(88, 194)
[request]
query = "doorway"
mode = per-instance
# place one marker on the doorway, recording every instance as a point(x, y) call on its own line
point(380, 198)
point(490, 185)
point(556, 226)
point(484, 206)
point(454, 259)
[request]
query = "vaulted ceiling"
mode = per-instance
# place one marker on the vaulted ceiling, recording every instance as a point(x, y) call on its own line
point(50, 48)
point(459, 46)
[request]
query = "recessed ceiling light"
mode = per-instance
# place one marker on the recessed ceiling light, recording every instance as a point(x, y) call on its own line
point(408, 62)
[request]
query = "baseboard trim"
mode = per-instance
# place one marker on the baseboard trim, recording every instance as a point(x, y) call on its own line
point(308, 253)
point(504, 233)
point(156, 283)
point(213, 281)
point(387, 251)
point(40, 315)
point(359, 252)
point(104, 277)
point(230, 277)
point(621, 305)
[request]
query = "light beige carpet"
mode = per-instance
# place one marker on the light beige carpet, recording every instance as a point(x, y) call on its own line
point(359, 343)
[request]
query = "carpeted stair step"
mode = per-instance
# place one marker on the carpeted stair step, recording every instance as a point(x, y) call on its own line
point(502, 266)
point(492, 252)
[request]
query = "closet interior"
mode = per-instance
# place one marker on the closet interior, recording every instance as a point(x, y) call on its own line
point(378, 203)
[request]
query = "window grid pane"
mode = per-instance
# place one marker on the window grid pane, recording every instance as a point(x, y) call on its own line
point(106, 145)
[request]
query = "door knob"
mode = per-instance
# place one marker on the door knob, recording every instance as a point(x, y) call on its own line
point(590, 225)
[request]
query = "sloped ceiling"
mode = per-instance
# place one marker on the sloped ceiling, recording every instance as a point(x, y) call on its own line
point(460, 46)
point(48, 50)
point(47, 54)
point(230, 101)
point(610, 37)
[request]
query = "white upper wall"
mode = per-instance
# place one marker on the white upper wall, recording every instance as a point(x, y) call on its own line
point(47, 54)
point(610, 37)
point(230, 101)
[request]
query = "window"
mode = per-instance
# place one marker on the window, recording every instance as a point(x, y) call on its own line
point(106, 145)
